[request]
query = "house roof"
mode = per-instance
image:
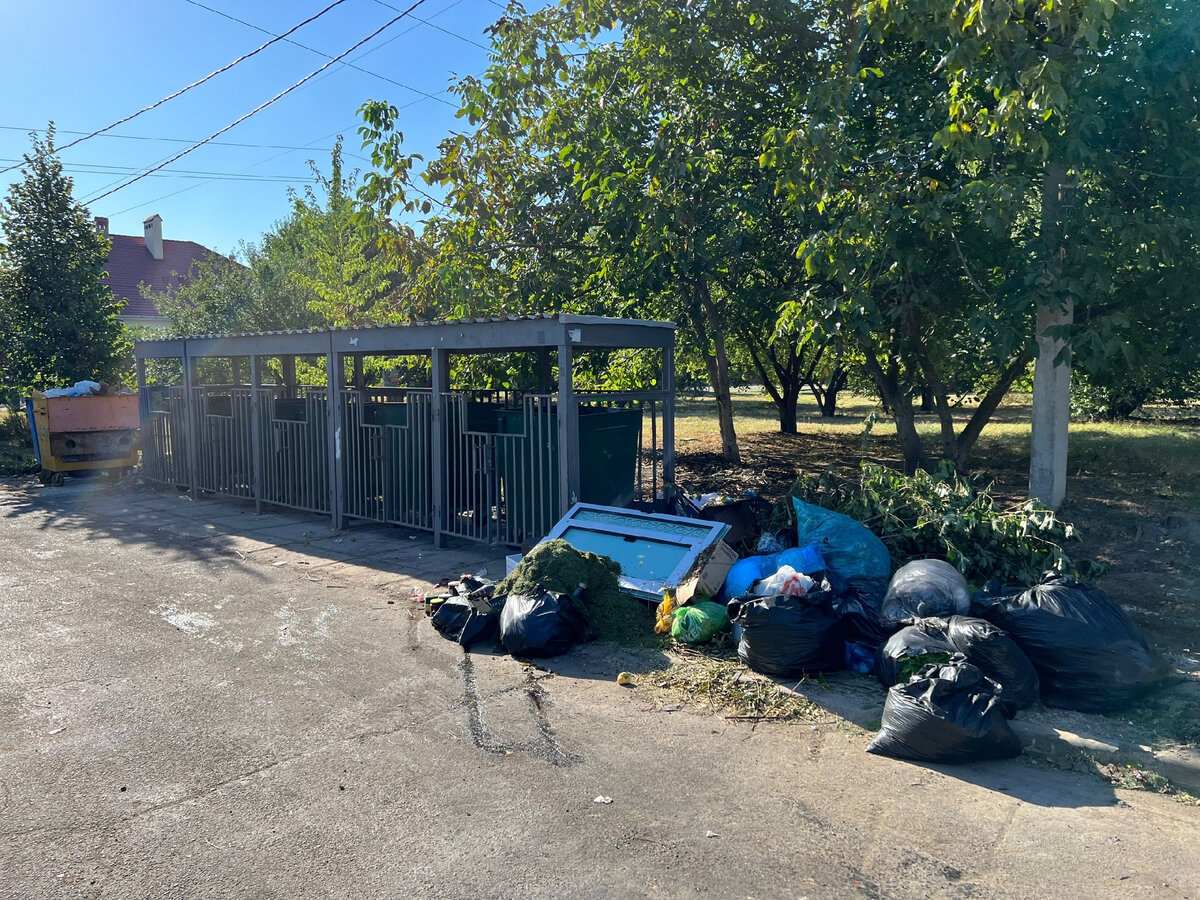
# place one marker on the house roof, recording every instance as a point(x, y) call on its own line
point(130, 263)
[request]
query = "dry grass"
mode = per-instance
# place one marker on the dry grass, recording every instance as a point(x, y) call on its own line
point(726, 687)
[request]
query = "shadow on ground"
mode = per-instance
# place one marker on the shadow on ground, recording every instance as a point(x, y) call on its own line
point(132, 512)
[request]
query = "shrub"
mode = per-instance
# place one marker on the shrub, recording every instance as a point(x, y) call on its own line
point(940, 515)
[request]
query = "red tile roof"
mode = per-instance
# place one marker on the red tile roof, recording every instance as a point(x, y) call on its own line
point(130, 263)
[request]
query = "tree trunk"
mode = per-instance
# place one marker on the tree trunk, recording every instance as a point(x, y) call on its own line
point(717, 363)
point(926, 399)
point(829, 394)
point(899, 402)
point(779, 396)
point(987, 407)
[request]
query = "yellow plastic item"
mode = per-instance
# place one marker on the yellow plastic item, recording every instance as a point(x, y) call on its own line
point(663, 614)
point(624, 679)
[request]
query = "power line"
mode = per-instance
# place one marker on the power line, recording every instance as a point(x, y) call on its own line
point(397, 37)
point(261, 106)
point(242, 169)
point(107, 169)
point(207, 77)
point(351, 65)
point(167, 140)
point(461, 37)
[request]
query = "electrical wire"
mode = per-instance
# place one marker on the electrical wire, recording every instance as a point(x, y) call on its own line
point(207, 77)
point(167, 140)
point(110, 169)
point(455, 34)
point(407, 87)
point(397, 37)
point(192, 187)
point(261, 106)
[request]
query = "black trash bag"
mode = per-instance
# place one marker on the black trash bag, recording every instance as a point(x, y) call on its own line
point(948, 714)
point(858, 601)
point(996, 655)
point(788, 635)
point(1088, 654)
point(543, 623)
point(912, 648)
point(457, 620)
point(925, 588)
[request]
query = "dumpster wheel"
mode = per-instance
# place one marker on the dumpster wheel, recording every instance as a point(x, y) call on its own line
point(48, 477)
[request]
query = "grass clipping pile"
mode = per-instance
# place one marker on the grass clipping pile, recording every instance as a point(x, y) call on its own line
point(557, 566)
point(727, 687)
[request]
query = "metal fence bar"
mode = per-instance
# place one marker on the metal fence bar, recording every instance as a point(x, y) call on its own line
point(256, 442)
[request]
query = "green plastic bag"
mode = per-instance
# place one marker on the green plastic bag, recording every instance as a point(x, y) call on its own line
point(698, 622)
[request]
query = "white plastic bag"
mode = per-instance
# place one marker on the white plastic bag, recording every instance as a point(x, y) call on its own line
point(785, 581)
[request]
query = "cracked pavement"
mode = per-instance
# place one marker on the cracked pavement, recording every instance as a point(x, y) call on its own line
point(200, 702)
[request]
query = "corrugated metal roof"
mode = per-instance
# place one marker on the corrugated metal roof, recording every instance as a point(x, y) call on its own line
point(564, 317)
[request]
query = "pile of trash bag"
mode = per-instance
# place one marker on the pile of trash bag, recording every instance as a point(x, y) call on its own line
point(957, 669)
point(548, 604)
point(747, 572)
point(1088, 654)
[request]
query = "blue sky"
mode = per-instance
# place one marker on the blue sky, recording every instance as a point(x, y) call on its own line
point(84, 64)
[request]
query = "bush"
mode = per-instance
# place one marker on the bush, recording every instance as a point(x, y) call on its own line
point(939, 515)
point(14, 429)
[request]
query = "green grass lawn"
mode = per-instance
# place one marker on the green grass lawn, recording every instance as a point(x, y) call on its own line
point(1159, 458)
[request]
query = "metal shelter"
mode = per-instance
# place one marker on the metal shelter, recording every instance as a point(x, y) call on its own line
point(287, 418)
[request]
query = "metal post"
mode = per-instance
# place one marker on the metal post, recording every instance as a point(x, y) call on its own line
point(256, 448)
point(441, 384)
point(668, 414)
point(143, 407)
point(191, 432)
point(359, 378)
point(334, 376)
point(568, 432)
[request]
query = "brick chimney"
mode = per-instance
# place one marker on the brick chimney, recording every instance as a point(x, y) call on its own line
point(102, 225)
point(154, 240)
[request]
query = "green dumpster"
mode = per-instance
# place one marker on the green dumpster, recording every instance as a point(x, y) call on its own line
point(529, 468)
point(298, 470)
point(402, 469)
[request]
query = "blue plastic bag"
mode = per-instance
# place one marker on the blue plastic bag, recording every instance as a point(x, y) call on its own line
point(743, 573)
point(848, 547)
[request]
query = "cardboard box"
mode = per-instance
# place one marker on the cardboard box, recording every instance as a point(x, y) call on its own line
point(711, 576)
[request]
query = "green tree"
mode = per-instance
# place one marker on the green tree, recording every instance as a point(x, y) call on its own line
point(613, 166)
point(349, 275)
point(60, 318)
point(975, 164)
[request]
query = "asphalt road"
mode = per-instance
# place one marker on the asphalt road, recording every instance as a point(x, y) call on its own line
point(195, 702)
